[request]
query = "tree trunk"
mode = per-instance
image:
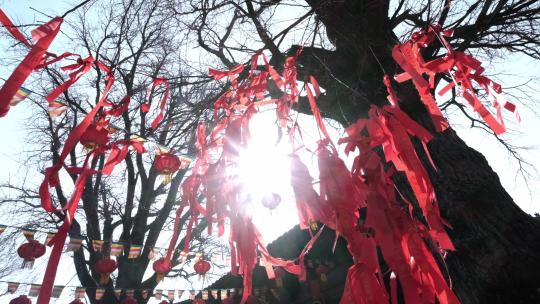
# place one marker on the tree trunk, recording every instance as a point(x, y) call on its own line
point(497, 257)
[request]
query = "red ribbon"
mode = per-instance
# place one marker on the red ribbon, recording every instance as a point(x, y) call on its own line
point(146, 107)
point(43, 37)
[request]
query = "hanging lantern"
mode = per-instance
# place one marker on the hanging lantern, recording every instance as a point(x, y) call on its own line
point(76, 301)
point(22, 299)
point(166, 164)
point(271, 200)
point(130, 300)
point(30, 251)
point(201, 267)
point(94, 136)
point(105, 267)
point(161, 267)
point(322, 271)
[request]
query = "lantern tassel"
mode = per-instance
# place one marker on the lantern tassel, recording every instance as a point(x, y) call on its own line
point(167, 178)
point(104, 278)
point(159, 277)
point(28, 264)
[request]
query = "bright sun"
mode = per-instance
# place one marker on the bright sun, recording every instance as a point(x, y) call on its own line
point(264, 170)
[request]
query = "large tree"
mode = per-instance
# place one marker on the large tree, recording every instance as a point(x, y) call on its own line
point(496, 258)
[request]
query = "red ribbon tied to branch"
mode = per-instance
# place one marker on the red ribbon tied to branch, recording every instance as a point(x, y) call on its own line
point(145, 107)
point(42, 36)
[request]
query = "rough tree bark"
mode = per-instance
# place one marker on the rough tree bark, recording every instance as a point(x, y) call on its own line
point(497, 244)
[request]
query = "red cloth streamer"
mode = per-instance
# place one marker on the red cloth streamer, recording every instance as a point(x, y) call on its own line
point(51, 180)
point(146, 107)
point(43, 36)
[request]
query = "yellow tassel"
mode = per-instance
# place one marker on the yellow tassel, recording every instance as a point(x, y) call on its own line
point(167, 178)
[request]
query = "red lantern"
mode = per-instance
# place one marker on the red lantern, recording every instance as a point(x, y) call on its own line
point(76, 301)
point(166, 164)
point(130, 300)
point(201, 267)
point(161, 267)
point(22, 299)
point(104, 267)
point(94, 136)
point(322, 271)
point(30, 251)
point(271, 200)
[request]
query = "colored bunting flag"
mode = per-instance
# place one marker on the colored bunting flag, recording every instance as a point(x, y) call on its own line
point(28, 234)
point(170, 295)
point(21, 95)
point(57, 291)
point(75, 243)
point(192, 294)
point(205, 295)
point(214, 293)
point(134, 251)
point(117, 249)
point(12, 287)
point(117, 292)
point(34, 290)
point(56, 108)
point(2, 228)
point(180, 293)
point(99, 293)
point(79, 292)
point(158, 293)
point(97, 245)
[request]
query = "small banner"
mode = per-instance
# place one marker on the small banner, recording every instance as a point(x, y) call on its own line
point(21, 95)
point(79, 292)
point(97, 245)
point(214, 293)
point(205, 295)
point(28, 234)
point(56, 108)
point(170, 295)
point(118, 292)
point(75, 243)
point(192, 294)
point(2, 228)
point(57, 291)
point(34, 290)
point(117, 249)
point(99, 293)
point(12, 287)
point(180, 293)
point(50, 235)
point(158, 293)
point(134, 251)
